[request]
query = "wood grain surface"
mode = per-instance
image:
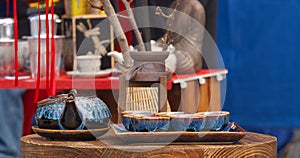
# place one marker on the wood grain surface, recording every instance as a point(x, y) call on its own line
point(252, 145)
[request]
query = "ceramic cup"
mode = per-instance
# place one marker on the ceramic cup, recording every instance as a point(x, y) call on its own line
point(150, 123)
point(127, 117)
point(88, 63)
point(6, 28)
point(186, 122)
point(33, 52)
point(34, 24)
point(215, 120)
point(7, 61)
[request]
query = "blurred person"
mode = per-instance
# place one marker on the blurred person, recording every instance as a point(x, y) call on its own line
point(11, 105)
point(11, 120)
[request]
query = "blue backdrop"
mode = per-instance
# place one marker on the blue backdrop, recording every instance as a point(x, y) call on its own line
point(260, 44)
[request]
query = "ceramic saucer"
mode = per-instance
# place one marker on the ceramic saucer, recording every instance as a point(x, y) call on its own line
point(98, 74)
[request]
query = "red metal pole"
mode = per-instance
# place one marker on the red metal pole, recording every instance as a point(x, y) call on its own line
point(16, 42)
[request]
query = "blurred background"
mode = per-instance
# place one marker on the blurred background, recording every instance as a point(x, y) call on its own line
point(259, 43)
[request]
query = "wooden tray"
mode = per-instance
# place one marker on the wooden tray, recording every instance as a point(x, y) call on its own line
point(231, 134)
point(56, 134)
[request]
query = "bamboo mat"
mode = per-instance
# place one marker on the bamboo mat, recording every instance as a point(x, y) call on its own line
point(143, 99)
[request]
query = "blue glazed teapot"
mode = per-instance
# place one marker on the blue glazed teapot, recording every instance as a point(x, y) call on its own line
point(72, 112)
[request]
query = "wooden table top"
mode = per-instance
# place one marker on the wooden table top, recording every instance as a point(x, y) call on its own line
point(253, 145)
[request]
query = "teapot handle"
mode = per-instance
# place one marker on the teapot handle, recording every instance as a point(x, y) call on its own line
point(72, 94)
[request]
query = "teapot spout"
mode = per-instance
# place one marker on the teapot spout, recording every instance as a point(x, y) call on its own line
point(118, 57)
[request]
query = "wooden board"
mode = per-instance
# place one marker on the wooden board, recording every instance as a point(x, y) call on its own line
point(252, 145)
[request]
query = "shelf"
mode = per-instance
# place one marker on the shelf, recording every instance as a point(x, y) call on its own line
point(85, 16)
point(106, 83)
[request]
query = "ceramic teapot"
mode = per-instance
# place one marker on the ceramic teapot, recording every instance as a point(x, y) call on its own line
point(72, 112)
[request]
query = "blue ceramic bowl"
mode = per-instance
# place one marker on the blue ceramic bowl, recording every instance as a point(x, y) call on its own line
point(150, 124)
point(128, 115)
point(215, 120)
point(127, 121)
point(186, 122)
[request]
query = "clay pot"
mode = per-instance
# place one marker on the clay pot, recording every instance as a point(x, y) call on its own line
point(148, 66)
point(149, 56)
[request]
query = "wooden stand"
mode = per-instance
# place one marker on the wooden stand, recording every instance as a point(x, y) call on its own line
point(123, 92)
point(252, 145)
